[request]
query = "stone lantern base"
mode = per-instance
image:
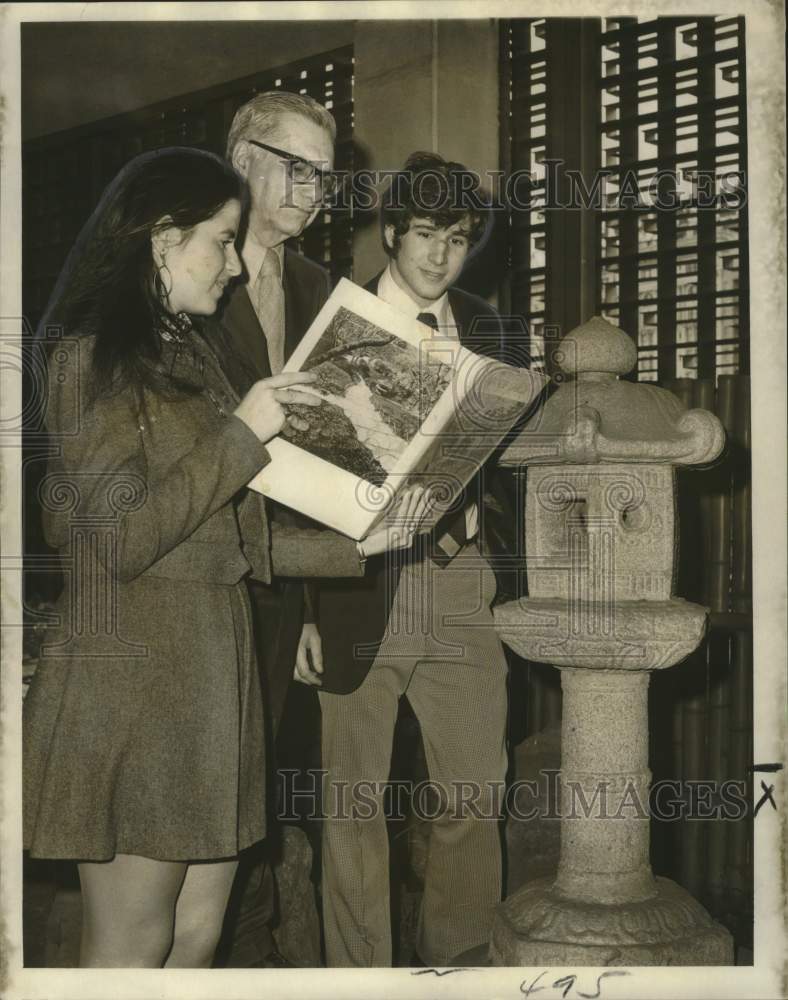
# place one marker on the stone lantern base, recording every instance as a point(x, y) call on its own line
point(537, 926)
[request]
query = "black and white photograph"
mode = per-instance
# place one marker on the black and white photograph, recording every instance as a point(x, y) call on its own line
point(373, 383)
point(393, 505)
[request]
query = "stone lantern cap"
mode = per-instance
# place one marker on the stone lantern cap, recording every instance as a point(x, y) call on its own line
point(595, 416)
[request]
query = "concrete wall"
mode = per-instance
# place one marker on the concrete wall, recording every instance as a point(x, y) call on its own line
point(429, 85)
point(77, 72)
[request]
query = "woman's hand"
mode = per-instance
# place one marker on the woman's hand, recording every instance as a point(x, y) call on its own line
point(261, 408)
point(404, 523)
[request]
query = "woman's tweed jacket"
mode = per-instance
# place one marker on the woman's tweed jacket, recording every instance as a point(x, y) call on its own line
point(143, 727)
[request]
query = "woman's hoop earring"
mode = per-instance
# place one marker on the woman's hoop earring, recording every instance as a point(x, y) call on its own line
point(163, 281)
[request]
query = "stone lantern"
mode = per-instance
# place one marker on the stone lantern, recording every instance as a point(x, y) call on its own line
point(600, 549)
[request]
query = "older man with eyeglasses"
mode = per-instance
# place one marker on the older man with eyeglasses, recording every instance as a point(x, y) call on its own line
point(283, 145)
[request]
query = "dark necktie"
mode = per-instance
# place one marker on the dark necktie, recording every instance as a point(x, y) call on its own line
point(450, 533)
point(428, 319)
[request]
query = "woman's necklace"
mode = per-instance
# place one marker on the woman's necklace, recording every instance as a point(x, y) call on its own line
point(175, 328)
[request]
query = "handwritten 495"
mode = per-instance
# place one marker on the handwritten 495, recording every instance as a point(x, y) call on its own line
point(566, 984)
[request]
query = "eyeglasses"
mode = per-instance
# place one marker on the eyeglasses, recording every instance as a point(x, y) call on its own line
point(303, 171)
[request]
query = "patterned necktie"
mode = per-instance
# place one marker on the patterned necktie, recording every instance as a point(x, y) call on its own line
point(270, 308)
point(450, 532)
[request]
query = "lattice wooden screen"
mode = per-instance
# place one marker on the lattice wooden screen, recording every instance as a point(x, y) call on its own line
point(671, 262)
point(524, 116)
point(673, 101)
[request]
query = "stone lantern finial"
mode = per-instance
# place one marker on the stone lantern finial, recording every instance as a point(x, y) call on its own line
point(595, 416)
point(598, 349)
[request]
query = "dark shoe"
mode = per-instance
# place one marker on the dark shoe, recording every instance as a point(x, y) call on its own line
point(472, 958)
point(273, 960)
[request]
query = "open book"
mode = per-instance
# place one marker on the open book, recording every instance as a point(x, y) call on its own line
point(403, 406)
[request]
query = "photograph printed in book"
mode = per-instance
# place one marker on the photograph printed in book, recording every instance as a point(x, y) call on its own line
point(374, 392)
point(401, 407)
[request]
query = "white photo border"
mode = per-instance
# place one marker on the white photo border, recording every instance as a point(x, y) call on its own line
point(767, 978)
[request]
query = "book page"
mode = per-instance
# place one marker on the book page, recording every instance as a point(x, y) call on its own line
point(485, 400)
point(390, 392)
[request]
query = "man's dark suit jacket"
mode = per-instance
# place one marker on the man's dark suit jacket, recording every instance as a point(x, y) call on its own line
point(353, 614)
point(240, 343)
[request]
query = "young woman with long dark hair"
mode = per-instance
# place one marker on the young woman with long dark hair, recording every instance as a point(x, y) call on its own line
point(143, 727)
